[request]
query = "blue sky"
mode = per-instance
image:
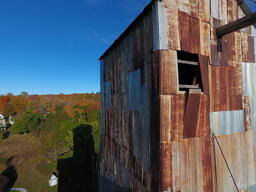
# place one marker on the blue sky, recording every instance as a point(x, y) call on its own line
point(53, 46)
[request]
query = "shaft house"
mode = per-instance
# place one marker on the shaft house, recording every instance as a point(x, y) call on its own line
point(177, 115)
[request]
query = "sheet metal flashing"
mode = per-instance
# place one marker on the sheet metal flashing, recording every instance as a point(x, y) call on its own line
point(227, 122)
point(160, 31)
point(128, 29)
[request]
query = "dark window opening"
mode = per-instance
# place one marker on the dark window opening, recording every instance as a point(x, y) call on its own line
point(189, 71)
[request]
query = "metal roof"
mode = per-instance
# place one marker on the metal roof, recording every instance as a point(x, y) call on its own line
point(244, 4)
point(128, 29)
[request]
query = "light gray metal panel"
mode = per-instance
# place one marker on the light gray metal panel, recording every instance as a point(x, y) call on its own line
point(138, 103)
point(108, 94)
point(249, 78)
point(160, 24)
point(227, 122)
point(252, 188)
point(249, 85)
point(134, 94)
point(215, 8)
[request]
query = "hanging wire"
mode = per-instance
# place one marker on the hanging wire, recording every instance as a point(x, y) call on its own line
point(222, 153)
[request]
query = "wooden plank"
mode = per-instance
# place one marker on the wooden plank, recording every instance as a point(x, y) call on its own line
point(189, 86)
point(236, 25)
point(187, 62)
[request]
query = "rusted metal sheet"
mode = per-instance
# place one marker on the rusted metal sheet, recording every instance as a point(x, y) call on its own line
point(232, 9)
point(191, 165)
point(226, 88)
point(248, 48)
point(219, 58)
point(172, 110)
point(165, 81)
point(196, 118)
point(239, 152)
point(165, 167)
point(168, 81)
point(204, 70)
point(205, 44)
point(184, 27)
point(173, 25)
point(223, 11)
point(204, 10)
point(194, 7)
point(234, 47)
point(125, 147)
point(249, 89)
point(184, 6)
point(190, 39)
point(227, 122)
point(247, 115)
point(191, 115)
point(156, 137)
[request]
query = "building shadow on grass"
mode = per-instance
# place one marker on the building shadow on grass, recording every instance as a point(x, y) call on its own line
point(9, 176)
point(77, 173)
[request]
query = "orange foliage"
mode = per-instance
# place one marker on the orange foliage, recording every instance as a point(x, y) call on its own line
point(48, 103)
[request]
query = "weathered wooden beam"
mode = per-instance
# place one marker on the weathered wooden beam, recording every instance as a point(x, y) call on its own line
point(187, 62)
point(246, 21)
point(181, 86)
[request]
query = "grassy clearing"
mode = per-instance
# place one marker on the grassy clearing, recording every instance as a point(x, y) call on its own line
point(34, 169)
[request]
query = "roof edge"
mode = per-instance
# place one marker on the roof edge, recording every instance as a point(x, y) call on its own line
point(128, 29)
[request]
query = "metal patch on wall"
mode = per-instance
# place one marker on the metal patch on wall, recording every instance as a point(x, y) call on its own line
point(134, 88)
point(249, 85)
point(160, 26)
point(252, 188)
point(108, 94)
point(227, 122)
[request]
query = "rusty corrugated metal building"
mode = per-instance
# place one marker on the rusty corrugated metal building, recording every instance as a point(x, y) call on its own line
point(177, 115)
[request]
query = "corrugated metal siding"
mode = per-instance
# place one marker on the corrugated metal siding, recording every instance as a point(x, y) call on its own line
point(158, 138)
point(249, 89)
point(227, 122)
point(239, 151)
point(160, 30)
point(125, 147)
point(134, 90)
point(226, 88)
point(107, 95)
